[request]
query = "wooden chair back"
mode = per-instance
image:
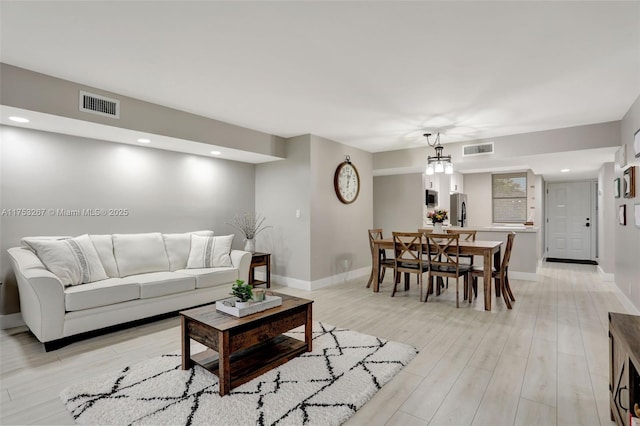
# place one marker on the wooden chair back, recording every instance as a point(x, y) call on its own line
point(443, 252)
point(407, 249)
point(374, 234)
point(469, 235)
point(507, 252)
point(425, 231)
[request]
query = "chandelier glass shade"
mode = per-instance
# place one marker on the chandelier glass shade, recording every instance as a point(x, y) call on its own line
point(438, 163)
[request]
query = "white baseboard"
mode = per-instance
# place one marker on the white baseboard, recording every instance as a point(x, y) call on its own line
point(628, 305)
point(321, 283)
point(290, 282)
point(11, 321)
point(605, 276)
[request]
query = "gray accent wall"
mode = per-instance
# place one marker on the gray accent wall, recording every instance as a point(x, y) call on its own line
point(627, 238)
point(477, 186)
point(163, 191)
point(282, 187)
point(329, 238)
point(339, 239)
point(398, 203)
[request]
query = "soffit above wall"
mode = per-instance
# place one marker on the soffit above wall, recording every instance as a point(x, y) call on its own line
point(52, 104)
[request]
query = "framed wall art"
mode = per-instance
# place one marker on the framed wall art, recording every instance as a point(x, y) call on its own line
point(616, 187)
point(629, 182)
point(622, 214)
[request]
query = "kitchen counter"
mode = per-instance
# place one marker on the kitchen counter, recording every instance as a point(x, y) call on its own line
point(494, 228)
point(527, 247)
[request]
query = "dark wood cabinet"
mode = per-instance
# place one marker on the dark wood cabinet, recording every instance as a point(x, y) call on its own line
point(260, 259)
point(624, 364)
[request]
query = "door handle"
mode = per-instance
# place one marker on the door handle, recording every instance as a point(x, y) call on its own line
point(587, 224)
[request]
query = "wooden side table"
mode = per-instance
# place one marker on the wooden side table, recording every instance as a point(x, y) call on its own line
point(260, 259)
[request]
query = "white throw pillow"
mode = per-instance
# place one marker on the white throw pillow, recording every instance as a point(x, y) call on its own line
point(210, 252)
point(178, 246)
point(140, 253)
point(104, 247)
point(73, 260)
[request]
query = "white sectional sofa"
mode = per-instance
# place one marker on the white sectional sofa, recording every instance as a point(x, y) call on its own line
point(134, 276)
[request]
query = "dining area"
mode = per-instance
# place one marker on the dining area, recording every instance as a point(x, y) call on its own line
point(437, 258)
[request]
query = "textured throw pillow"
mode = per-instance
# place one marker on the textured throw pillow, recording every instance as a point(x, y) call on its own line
point(178, 246)
point(210, 252)
point(73, 260)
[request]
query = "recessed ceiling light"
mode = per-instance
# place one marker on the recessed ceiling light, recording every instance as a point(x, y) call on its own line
point(216, 152)
point(565, 170)
point(19, 119)
point(143, 140)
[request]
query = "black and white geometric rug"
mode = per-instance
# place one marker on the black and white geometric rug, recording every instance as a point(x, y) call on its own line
point(323, 387)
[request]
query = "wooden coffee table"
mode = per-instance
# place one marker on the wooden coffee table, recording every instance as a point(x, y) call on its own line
point(241, 349)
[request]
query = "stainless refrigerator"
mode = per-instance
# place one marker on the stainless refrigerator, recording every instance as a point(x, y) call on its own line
point(458, 216)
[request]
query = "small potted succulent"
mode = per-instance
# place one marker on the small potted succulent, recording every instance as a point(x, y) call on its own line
point(243, 292)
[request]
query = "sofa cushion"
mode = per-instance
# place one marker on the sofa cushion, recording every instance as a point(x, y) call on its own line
point(178, 246)
point(104, 247)
point(72, 260)
point(211, 277)
point(158, 284)
point(100, 293)
point(139, 253)
point(210, 252)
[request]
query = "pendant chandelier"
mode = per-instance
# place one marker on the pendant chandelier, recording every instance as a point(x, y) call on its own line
point(438, 163)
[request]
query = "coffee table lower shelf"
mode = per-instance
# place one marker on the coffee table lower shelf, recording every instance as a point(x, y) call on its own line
point(250, 363)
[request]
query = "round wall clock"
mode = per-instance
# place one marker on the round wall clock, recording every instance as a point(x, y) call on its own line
point(346, 182)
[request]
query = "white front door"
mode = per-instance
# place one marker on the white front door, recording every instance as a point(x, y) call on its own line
point(569, 220)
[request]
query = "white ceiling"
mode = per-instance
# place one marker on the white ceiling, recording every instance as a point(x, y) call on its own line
point(373, 75)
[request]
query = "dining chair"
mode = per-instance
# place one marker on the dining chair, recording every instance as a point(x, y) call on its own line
point(465, 235)
point(376, 234)
point(501, 276)
point(407, 250)
point(443, 257)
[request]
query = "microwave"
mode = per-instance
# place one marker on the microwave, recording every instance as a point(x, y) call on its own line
point(431, 197)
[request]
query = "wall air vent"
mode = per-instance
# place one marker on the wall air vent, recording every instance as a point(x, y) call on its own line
point(101, 105)
point(477, 149)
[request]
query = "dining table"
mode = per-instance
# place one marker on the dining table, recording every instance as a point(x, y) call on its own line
point(489, 250)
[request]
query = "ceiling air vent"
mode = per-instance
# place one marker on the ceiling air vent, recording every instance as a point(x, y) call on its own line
point(100, 105)
point(477, 149)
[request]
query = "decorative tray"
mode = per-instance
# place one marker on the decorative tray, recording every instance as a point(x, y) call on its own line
point(267, 303)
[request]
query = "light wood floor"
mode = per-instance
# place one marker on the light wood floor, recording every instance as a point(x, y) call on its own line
point(545, 362)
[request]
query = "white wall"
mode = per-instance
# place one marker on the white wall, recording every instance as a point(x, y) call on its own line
point(607, 220)
point(164, 191)
point(540, 216)
point(627, 238)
